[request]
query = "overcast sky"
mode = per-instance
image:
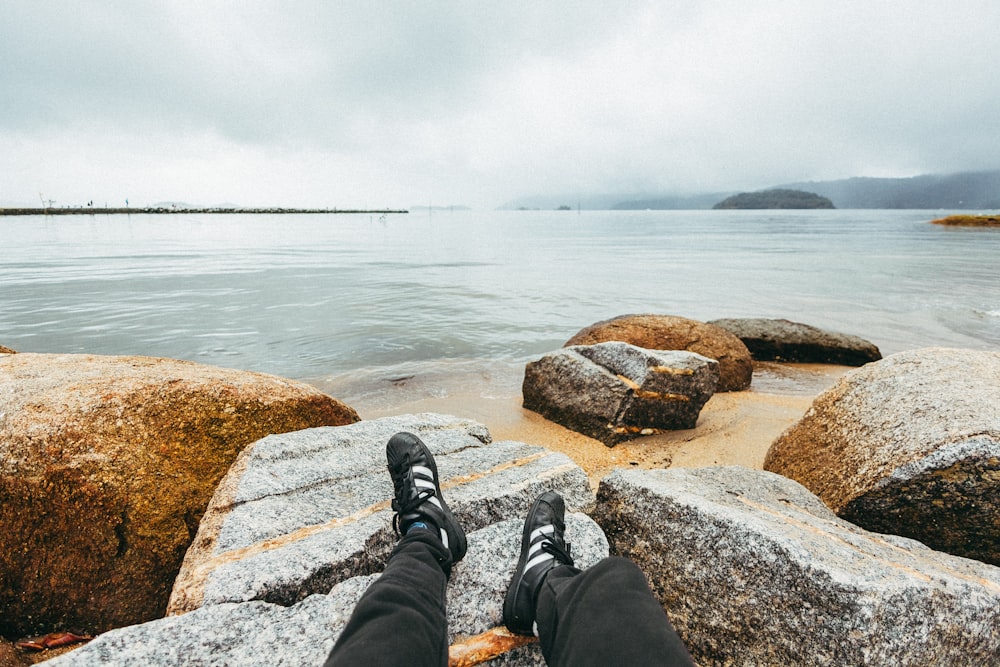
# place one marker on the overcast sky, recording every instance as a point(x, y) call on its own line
point(405, 103)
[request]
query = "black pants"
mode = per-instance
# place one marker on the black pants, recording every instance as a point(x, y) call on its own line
point(605, 615)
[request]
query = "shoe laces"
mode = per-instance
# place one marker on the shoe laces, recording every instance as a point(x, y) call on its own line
point(402, 480)
point(559, 550)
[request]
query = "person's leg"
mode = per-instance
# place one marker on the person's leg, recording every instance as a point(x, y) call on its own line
point(605, 615)
point(401, 619)
point(542, 548)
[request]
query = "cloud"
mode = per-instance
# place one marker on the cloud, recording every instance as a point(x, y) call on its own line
point(401, 103)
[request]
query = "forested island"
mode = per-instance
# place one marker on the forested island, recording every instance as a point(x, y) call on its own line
point(976, 191)
point(777, 198)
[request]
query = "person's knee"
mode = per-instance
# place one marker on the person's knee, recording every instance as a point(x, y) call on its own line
point(620, 566)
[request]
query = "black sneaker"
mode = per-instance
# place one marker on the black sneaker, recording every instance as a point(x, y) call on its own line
point(418, 493)
point(542, 548)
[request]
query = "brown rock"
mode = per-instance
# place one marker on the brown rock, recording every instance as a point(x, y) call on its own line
point(6, 350)
point(667, 332)
point(106, 466)
point(909, 445)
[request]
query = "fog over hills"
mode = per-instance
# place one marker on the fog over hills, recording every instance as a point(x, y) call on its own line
point(978, 190)
point(968, 190)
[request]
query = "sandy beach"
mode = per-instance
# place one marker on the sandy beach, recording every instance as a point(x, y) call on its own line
point(735, 428)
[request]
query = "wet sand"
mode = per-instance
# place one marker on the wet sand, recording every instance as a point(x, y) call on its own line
point(734, 428)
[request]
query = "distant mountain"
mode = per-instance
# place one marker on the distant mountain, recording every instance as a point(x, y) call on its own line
point(968, 190)
point(979, 190)
point(776, 198)
point(673, 202)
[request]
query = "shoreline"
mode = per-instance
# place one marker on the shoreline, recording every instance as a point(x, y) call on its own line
point(734, 428)
point(164, 210)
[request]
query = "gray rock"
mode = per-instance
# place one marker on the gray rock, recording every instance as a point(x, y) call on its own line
point(616, 391)
point(251, 633)
point(754, 570)
point(783, 340)
point(300, 512)
point(908, 445)
point(261, 633)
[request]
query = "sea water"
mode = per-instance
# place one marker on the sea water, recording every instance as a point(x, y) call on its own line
point(441, 299)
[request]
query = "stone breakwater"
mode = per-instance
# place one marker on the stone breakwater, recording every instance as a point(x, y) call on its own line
point(172, 210)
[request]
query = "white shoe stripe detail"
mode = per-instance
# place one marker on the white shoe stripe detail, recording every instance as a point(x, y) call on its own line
point(444, 538)
point(423, 483)
point(422, 471)
point(541, 530)
point(535, 548)
point(538, 560)
point(434, 499)
point(534, 628)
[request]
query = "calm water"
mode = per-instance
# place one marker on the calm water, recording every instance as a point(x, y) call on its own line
point(360, 303)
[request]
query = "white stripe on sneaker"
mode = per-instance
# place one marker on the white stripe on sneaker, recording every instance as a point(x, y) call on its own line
point(422, 471)
point(538, 560)
point(423, 483)
point(535, 548)
point(542, 530)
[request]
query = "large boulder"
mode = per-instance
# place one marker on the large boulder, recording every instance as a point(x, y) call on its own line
point(667, 332)
point(299, 512)
point(106, 466)
point(908, 445)
point(783, 340)
point(754, 570)
point(301, 526)
point(615, 391)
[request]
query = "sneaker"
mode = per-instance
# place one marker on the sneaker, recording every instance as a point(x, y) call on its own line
point(542, 548)
point(418, 493)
